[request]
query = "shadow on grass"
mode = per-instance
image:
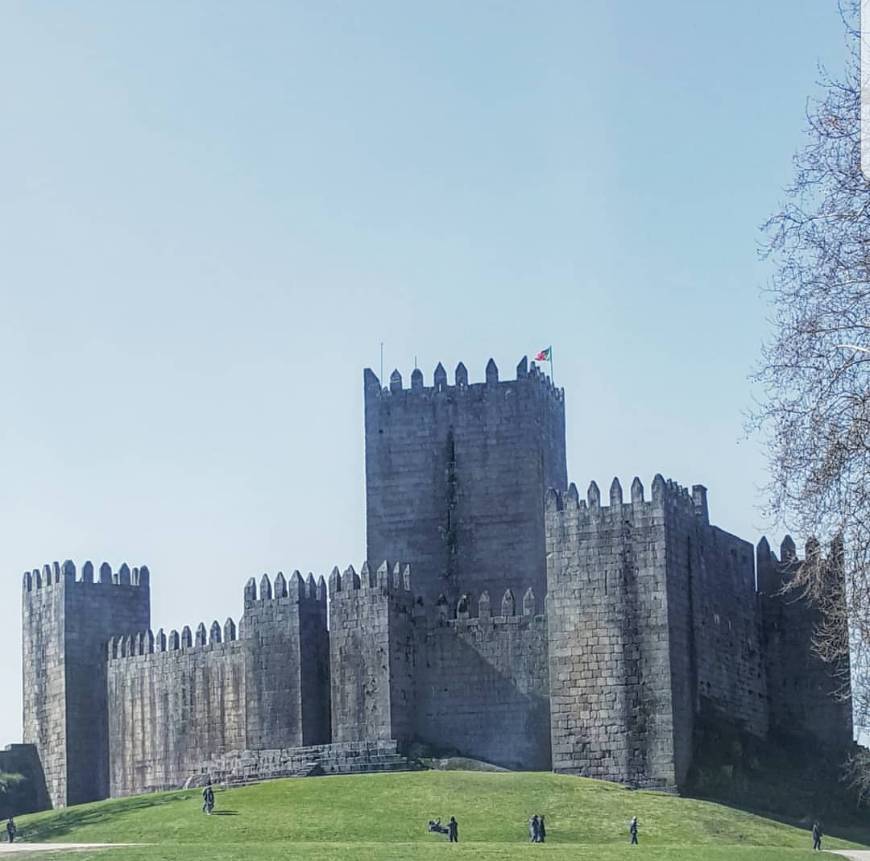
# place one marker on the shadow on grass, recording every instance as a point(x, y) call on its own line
point(851, 832)
point(60, 823)
point(225, 813)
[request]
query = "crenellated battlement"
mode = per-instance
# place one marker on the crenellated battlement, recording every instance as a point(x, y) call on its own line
point(298, 588)
point(474, 609)
point(388, 579)
point(775, 572)
point(460, 386)
point(148, 642)
point(666, 495)
point(55, 573)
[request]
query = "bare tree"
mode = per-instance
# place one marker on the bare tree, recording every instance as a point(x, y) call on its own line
point(815, 370)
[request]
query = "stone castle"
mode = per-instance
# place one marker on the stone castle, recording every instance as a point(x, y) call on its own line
point(523, 626)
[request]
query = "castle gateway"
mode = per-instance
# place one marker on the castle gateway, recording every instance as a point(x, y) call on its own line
point(521, 625)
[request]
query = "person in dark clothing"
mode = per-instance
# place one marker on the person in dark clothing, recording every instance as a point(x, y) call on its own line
point(453, 830)
point(542, 831)
point(11, 830)
point(534, 830)
point(632, 830)
point(817, 836)
point(208, 798)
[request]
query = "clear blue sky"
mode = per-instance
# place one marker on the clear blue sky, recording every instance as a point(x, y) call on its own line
point(211, 214)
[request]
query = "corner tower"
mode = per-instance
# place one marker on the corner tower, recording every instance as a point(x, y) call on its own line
point(456, 477)
point(66, 625)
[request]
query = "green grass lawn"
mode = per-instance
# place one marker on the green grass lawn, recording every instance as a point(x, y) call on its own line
point(383, 816)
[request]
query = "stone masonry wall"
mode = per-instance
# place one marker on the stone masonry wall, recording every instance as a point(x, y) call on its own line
point(483, 681)
point(175, 701)
point(808, 697)
point(610, 674)
point(43, 620)
point(180, 701)
point(67, 622)
point(287, 692)
point(23, 759)
point(654, 621)
point(456, 475)
point(372, 661)
point(714, 624)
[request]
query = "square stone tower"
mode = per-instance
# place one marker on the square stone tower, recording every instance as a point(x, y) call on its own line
point(66, 625)
point(456, 477)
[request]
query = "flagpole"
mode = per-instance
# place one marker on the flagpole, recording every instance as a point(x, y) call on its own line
point(552, 374)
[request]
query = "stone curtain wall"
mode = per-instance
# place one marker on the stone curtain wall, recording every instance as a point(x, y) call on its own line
point(179, 701)
point(456, 475)
point(175, 702)
point(806, 694)
point(483, 684)
point(609, 653)
point(372, 660)
point(66, 624)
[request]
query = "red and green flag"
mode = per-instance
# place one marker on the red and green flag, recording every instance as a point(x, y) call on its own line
point(544, 355)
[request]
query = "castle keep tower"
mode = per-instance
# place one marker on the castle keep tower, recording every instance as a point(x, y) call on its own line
point(456, 476)
point(66, 624)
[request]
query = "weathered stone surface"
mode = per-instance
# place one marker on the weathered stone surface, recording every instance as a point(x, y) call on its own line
point(172, 710)
point(455, 479)
point(66, 624)
point(532, 629)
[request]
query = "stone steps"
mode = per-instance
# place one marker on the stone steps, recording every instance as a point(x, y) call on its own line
point(241, 768)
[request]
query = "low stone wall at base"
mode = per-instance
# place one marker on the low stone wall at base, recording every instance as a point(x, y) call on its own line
point(249, 766)
point(31, 794)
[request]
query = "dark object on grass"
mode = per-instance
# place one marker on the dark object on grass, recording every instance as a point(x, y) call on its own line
point(435, 827)
point(817, 836)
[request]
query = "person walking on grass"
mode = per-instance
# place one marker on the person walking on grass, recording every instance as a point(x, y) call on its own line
point(208, 798)
point(632, 830)
point(817, 836)
point(534, 830)
point(453, 830)
point(11, 830)
point(542, 831)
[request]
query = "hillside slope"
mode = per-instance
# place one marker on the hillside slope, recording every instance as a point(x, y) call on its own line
point(383, 816)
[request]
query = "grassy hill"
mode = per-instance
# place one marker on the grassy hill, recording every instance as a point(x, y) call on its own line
point(383, 816)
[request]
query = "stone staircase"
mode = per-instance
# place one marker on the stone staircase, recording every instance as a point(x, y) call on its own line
point(240, 768)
